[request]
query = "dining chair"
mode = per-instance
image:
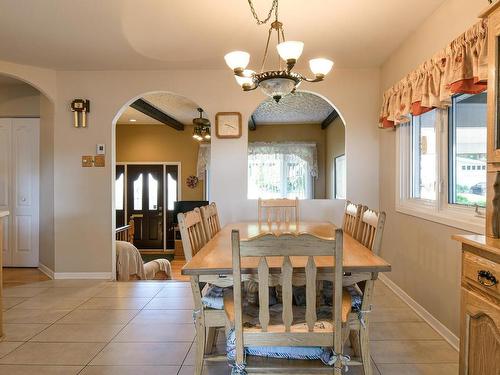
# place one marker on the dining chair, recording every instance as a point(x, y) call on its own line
point(369, 234)
point(271, 330)
point(210, 218)
point(352, 215)
point(207, 320)
point(277, 211)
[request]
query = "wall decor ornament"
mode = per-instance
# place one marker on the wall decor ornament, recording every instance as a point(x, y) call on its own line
point(192, 182)
point(80, 108)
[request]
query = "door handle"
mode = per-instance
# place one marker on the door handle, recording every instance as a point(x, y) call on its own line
point(136, 215)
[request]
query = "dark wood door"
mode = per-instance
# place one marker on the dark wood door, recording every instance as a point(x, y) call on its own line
point(145, 204)
point(171, 193)
point(120, 196)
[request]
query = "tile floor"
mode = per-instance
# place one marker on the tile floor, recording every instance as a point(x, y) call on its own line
point(62, 327)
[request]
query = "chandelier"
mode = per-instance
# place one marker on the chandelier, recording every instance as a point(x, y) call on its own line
point(280, 82)
point(201, 131)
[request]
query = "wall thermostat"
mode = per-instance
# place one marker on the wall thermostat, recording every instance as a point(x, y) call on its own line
point(100, 149)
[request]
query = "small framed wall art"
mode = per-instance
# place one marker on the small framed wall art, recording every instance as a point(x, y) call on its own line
point(228, 125)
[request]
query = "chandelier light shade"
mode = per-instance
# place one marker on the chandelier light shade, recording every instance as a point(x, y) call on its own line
point(282, 81)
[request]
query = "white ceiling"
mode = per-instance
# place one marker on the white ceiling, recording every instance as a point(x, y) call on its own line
point(178, 107)
point(169, 34)
point(298, 108)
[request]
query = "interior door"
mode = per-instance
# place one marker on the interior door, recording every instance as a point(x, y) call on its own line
point(145, 204)
point(171, 193)
point(5, 175)
point(120, 196)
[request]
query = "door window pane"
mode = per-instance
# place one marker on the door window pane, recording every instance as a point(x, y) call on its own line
point(119, 191)
point(424, 156)
point(468, 150)
point(152, 192)
point(172, 192)
point(138, 193)
point(340, 177)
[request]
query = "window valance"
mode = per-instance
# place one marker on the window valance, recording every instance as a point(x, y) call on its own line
point(306, 151)
point(461, 68)
point(203, 163)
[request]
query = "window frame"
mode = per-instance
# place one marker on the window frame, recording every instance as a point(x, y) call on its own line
point(440, 210)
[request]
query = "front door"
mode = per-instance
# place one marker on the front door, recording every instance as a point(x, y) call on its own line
point(145, 204)
point(171, 192)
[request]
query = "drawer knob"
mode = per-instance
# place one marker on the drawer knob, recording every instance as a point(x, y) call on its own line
point(486, 278)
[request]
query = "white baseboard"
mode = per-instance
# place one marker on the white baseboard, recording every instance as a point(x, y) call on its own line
point(46, 270)
point(422, 312)
point(83, 275)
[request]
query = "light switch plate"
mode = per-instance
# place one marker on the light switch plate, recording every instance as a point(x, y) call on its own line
point(100, 149)
point(99, 161)
point(87, 161)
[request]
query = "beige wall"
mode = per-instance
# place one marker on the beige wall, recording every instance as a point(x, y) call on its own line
point(161, 143)
point(425, 261)
point(20, 100)
point(297, 133)
point(335, 146)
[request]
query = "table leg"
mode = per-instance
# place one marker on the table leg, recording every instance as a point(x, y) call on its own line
point(199, 321)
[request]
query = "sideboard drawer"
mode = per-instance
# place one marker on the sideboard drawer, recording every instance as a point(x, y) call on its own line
point(482, 273)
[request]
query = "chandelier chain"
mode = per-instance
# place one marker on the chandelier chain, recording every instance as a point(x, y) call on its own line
point(274, 7)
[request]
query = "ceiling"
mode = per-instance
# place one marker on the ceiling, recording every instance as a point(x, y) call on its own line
point(298, 108)
point(178, 107)
point(175, 34)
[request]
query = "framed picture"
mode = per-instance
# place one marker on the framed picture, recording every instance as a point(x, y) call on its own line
point(228, 125)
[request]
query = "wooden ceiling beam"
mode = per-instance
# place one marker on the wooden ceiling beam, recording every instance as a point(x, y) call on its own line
point(153, 112)
point(251, 123)
point(329, 119)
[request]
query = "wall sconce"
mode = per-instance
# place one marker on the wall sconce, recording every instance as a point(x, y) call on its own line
point(80, 108)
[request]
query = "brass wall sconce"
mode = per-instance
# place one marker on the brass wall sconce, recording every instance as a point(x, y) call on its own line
point(80, 108)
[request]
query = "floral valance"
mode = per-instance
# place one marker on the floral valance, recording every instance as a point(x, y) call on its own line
point(203, 163)
point(306, 151)
point(462, 68)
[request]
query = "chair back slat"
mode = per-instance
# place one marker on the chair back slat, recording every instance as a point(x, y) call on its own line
point(263, 293)
point(278, 211)
point(352, 214)
point(286, 282)
point(211, 220)
point(371, 228)
point(311, 272)
point(192, 232)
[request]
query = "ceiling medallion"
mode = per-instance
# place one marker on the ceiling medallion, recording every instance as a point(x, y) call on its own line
point(281, 82)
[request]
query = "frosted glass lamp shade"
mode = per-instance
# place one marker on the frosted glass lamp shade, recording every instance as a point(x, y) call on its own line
point(247, 79)
point(290, 50)
point(237, 59)
point(320, 67)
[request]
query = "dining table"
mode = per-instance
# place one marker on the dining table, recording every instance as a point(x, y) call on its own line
point(213, 262)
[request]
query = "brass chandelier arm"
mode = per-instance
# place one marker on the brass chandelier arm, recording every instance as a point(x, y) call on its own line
point(318, 78)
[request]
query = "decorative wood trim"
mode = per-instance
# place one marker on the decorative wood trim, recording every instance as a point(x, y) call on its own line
point(217, 125)
point(46, 270)
point(153, 112)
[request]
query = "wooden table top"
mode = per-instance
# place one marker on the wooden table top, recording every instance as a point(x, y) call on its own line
point(215, 258)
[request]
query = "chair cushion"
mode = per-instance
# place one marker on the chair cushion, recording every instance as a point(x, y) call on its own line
point(213, 297)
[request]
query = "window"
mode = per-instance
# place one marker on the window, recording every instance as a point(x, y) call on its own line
point(281, 170)
point(119, 191)
point(441, 171)
point(152, 192)
point(172, 189)
point(138, 193)
point(340, 177)
point(467, 134)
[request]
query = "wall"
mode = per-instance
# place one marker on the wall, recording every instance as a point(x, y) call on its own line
point(335, 146)
point(425, 261)
point(297, 133)
point(139, 143)
point(20, 100)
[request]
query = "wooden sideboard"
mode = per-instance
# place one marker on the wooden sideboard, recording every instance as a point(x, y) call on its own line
point(3, 216)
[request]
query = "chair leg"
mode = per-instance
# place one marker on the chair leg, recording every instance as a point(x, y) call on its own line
point(355, 344)
point(200, 347)
point(210, 339)
point(365, 350)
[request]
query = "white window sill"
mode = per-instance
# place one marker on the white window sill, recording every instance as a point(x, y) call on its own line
point(456, 218)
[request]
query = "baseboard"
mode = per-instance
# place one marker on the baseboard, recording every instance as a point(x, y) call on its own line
point(46, 270)
point(83, 275)
point(422, 312)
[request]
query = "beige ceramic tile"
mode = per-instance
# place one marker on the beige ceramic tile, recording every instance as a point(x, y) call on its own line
point(130, 370)
point(129, 292)
point(66, 284)
point(84, 316)
point(424, 351)
point(156, 332)
point(79, 333)
point(389, 314)
point(21, 332)
point(51, 303)
point(388, 300)
point(22, 292)
point(8, 302)
point(70, 292)
point(39, 370)
point(176, 292)
point(44, 353)
point(17, 315)
point(403, 331)
point(164, 316)
point(219, 369)
point(185, 303)
point(420, 369)
point(7, 347)
point(151, 354)
point(115, 303)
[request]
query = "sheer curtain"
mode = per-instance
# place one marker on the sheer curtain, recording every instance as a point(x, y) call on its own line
point(282, 170)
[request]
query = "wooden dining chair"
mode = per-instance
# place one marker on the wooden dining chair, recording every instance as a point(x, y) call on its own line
point(211, 221)
point(286, 331)
point(207, 320)
point(277, 211)
point(352, 215)
point(369, 234)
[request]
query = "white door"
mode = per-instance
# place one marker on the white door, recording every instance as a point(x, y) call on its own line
point(5, 153)
point(23, 191)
